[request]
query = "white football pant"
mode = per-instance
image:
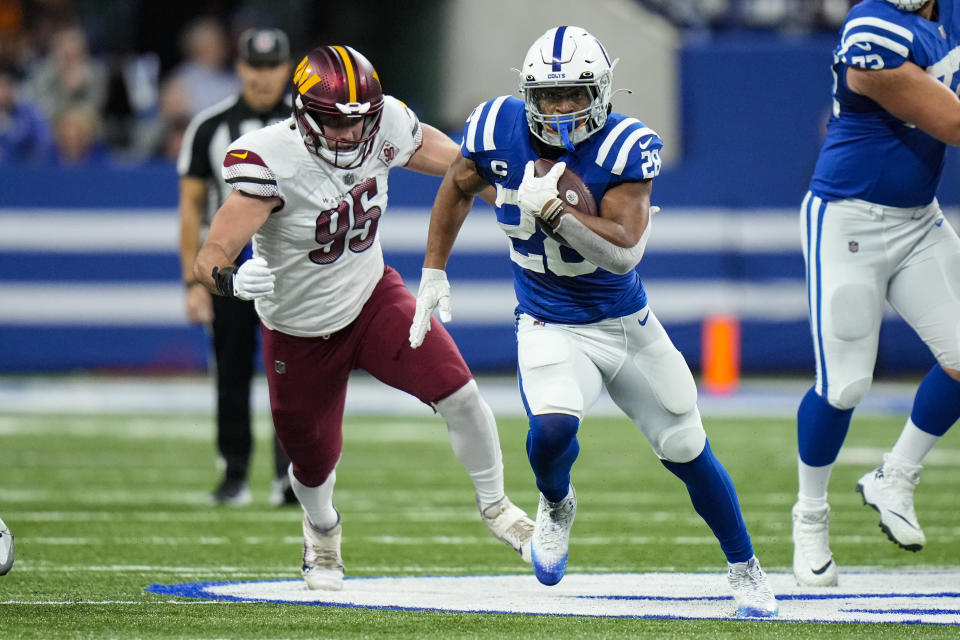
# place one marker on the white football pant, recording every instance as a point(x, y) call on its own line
point(564, 367)
point(859, 255)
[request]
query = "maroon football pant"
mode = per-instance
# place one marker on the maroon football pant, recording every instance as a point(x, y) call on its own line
point(307, 377)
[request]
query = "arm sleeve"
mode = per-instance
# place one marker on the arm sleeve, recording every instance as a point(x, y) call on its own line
point(600, 252)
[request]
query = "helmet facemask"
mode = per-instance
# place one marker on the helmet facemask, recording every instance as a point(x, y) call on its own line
point(908, 5)
point(343, 153)
point(570, 128)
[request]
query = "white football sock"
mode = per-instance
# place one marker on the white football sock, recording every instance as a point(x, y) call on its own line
point(914, 444)
point(474, 439)
point(317, 502)
point(813, 485)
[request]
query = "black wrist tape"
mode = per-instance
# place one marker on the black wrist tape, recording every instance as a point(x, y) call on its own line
point(223, 278)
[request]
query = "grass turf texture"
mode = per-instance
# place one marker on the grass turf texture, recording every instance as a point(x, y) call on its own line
point(104, 505)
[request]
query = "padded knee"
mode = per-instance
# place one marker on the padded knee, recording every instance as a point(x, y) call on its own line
point(681, 443)
point(848, 396)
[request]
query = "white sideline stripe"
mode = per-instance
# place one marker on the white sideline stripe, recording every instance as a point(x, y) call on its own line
point(403, 229)
point(474, 302)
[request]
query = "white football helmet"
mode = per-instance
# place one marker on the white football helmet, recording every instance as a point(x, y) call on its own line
point(566, 57)
point(908, 5)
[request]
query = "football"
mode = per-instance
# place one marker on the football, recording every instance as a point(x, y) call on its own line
point(572, 190)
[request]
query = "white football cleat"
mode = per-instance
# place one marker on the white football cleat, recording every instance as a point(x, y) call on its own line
point(510, 525)
point(322, 566)
point(889, 490)
point(6, 549)
point(813, 564)
point(751, 590)
point(551, 537)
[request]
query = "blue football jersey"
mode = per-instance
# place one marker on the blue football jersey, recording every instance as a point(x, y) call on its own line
point(868, 153)
point(553, 282)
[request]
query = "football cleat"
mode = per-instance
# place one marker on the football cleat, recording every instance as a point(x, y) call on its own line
point(751, 590)
point(551, 537)
point(232, 492)
point(6, 549)
point(509, 524)
point(322, 565)
point(889, 490)
point(813, 564)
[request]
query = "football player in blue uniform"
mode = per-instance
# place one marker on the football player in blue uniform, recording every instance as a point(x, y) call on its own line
point(873, 232)
point(583, 321)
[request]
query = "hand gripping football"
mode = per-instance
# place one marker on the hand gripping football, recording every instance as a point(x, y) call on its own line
point(572, 190)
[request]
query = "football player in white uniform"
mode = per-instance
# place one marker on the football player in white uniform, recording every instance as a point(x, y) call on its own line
point(310, 192)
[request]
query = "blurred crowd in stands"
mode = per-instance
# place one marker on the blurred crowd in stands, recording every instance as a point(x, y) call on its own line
point(86, 81)
point(788, 16)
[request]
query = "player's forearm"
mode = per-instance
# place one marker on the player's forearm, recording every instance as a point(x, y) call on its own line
point(211, 255)
point(449, 211)
point(597, 249)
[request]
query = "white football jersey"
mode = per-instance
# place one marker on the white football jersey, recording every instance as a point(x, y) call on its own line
point(323, 244)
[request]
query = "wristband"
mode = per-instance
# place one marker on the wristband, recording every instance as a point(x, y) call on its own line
point(223, 278)
point(554, 209)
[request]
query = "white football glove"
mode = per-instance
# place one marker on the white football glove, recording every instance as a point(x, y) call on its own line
point(534, 193)
point(253, 280)
point(434, 293)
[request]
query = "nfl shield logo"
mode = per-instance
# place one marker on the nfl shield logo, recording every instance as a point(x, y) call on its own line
point(854, 246)
point(280, 366)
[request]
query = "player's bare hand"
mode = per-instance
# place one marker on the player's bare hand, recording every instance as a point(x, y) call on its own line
point(534, 194)
point(199, 305)
point(253, 280)
point(434, 293)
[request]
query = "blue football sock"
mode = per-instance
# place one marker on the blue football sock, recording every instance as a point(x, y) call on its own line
point(715, 499)
point(821, 430)
point(551, 448)
point(937, 404)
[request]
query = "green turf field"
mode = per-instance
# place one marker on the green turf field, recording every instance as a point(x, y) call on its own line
point(104, 505)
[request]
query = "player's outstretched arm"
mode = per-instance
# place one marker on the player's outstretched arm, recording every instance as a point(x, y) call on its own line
point(914, 96)
point(450, 209)
point(234, 224)
point(435, 154)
